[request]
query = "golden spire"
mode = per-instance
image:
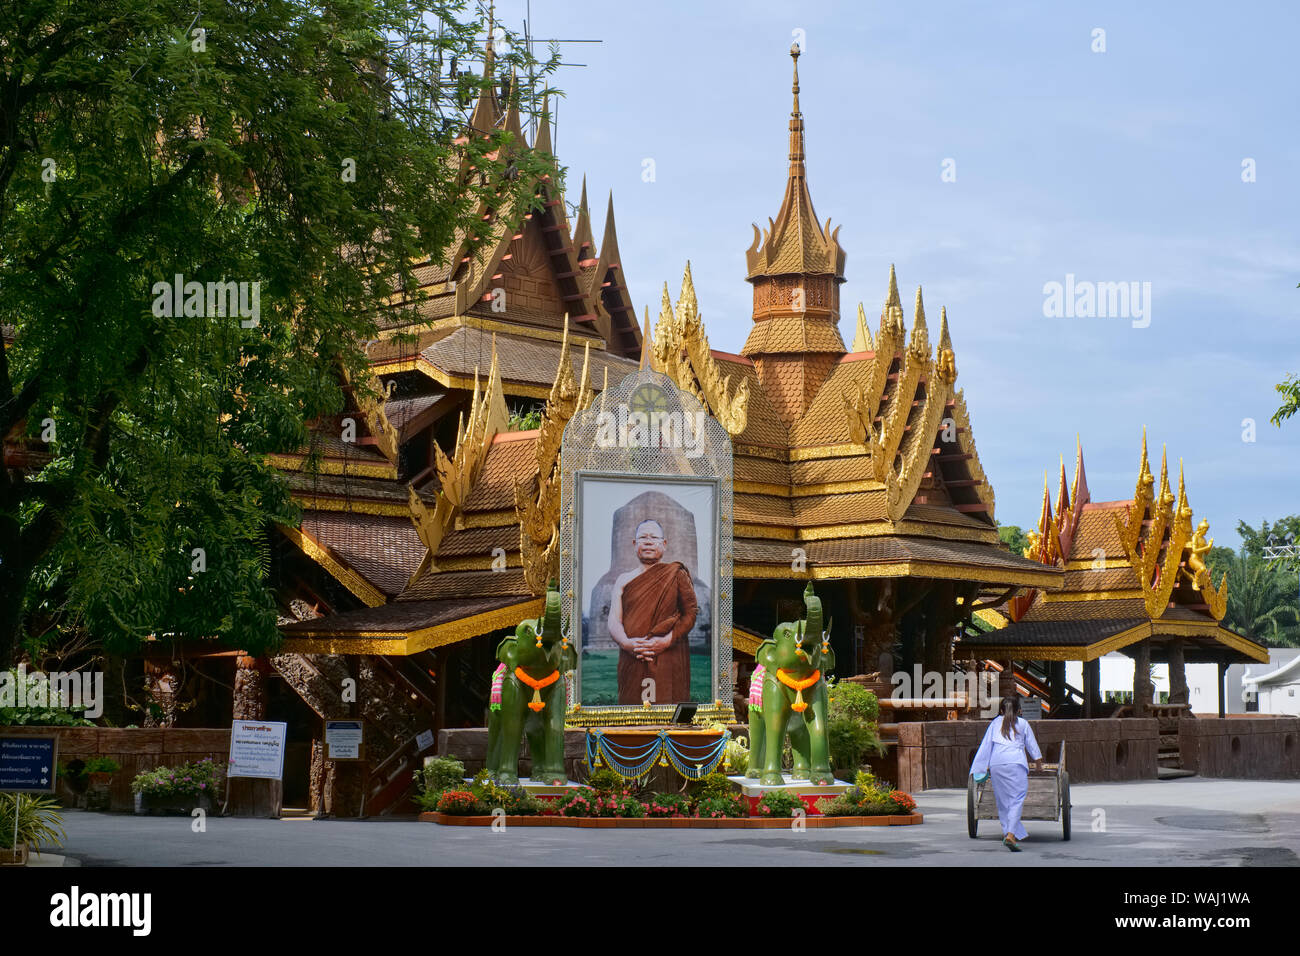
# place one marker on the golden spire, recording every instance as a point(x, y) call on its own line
point(795, 243)
point(945, 340)
point(891, 314)
point(796, 120)
point(862, 341)
point(920, 342)
point(646, 340)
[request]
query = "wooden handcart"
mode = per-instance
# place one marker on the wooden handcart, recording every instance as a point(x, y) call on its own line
point(1048, 797)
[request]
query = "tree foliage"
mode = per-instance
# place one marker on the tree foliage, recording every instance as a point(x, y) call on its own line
point(1263, 594)
point(311, 149)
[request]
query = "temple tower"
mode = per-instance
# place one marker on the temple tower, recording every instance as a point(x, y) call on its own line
point(796, 267)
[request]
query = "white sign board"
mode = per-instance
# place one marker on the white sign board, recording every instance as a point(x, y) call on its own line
point(343, 739)
point(257, 749)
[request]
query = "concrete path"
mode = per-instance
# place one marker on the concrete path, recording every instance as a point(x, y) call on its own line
point(1189, 822)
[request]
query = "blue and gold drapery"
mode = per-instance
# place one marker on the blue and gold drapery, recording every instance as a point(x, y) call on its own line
point(692, 761)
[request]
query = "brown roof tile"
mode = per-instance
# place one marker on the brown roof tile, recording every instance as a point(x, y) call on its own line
point(463, 584)
point(520, 359)
point(479, 541)
point(793, 333)
point(1097, 530)
point(507, 463)
point(383, 550)
point(401, 616)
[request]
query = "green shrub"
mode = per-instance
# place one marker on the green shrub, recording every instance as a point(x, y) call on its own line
point(101, 765)
point(853, 700)
point(188, 779)
point(488, 792)
point(582, 803)
point(605, 780)
point(622, 806)
point(39, 820)
point(716, 807)
point(460, 803)
point(850, 741)
point(521, 803)
point(713, 785)
point(778, 803)
point(668, 805)
point(841, 806)
point(737, 755)
point(441, 774)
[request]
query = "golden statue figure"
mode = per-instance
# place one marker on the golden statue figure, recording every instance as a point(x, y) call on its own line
point(1199, 546)
point(1032, 549)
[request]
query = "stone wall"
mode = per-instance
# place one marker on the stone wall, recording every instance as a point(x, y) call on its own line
point(938, 754)
point(135, 749)
point(1265, 748)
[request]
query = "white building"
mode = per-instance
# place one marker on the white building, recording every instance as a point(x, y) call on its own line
point(1279, 687)
point(1274, 689)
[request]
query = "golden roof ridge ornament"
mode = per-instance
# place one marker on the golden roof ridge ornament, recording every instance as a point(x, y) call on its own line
point(488, 415)
point(862, 341)
point(537, 506)
point(681, 351)
point(900, 452)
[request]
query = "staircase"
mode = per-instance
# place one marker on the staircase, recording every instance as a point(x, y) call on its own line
point(397, 701)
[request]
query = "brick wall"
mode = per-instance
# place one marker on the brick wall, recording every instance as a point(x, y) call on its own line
point(135, 749)
point(938, 754)
point(1265, 748)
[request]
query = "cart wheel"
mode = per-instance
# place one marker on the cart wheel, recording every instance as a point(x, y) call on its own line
point(1065, 806)
point(972, 825)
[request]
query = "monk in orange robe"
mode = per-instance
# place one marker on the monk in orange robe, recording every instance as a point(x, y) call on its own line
point(652, 610)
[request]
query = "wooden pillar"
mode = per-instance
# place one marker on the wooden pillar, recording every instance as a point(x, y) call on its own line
point(1142, 686)
point(1055, 685)
point(1006, 682)
point(1177, 672)
point(1223, 673)
point(1091, 687)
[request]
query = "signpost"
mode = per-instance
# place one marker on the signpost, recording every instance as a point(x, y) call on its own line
point(27, 765)
point(344, 740)
point(257, 749)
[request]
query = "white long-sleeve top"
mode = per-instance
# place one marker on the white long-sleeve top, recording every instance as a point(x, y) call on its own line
point(996, 749)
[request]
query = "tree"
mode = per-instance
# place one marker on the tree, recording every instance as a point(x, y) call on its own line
point(1262, 600)
point(289, 161)
point(1013, 538)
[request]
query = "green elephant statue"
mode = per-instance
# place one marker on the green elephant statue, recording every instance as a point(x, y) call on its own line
point(528, 696)
point(794, 665)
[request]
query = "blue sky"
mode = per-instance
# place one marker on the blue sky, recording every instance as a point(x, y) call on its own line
point(1115, 166)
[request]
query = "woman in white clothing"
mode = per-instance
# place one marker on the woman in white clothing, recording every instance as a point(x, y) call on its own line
point(1002, 756)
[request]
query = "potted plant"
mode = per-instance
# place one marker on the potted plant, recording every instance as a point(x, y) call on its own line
point(100, 772)
point(178, 790)
point(38, 822)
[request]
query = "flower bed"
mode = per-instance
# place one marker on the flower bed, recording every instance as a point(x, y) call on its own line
point(180, 789)
point(665, 823)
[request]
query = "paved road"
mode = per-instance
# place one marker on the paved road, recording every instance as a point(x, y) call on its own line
point(1187, 822)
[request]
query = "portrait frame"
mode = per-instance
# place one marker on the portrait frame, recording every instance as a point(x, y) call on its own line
point(603, 441)
point(706, 567)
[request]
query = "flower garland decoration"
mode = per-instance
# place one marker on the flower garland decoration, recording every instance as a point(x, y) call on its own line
point(798, 686)
point(536, 704)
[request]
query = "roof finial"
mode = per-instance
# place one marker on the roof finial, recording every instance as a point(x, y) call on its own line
point(796, 118)
point(646, 339)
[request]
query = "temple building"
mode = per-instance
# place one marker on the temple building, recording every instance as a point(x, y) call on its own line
point(857, 468)
point(1135, 582)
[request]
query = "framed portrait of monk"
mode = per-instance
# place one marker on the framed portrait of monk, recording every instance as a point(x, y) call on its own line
point(645, 574)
